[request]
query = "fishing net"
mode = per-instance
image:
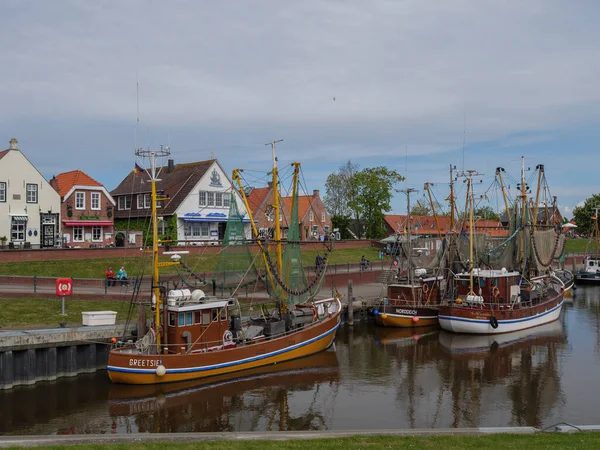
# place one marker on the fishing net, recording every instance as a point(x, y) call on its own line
point(235, 264)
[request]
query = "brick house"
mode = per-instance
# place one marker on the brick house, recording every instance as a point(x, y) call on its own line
point(314, 219)
point(260, 201)
point(86, 209)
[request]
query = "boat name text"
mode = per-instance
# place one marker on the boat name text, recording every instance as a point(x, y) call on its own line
point(144, 362)
point(412, 312)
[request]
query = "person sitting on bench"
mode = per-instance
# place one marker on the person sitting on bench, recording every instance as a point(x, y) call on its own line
point(364, 263)
point(111, 280)
point(122, 276)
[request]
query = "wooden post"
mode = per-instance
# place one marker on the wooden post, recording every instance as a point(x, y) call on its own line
point(573, 264)
point(350, 304)
point(141, 321)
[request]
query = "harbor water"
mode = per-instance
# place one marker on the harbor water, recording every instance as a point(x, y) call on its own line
point(374, 378)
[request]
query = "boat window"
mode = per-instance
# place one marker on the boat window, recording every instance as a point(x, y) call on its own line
point(206, 318)
point(181, 321)
point(215, 314)
point(172, 319)
point(197, 317)
point(189, 318)
point(482, 282)
point(223, 314)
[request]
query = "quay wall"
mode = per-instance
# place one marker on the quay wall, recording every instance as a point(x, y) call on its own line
point(28, 357)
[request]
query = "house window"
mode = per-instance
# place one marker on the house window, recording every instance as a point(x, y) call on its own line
point(322, 217)
point(210, 199)
point(143, 201)
point(219, 199)
point(205, 228)
point(32, 193)
point(79, 200)
point(125, 202)
point(202, 198)
point(96, 200)
point(17, 231)
point(96, 234)
point(3, 191)
point(77, 234)
point(196, 229)
point(225, 201)
point(311, 216)
point(162, 227)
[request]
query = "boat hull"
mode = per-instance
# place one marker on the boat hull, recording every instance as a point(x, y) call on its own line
point(135, 368)
point(477, 320)
point(406, 316)
point(587, 278)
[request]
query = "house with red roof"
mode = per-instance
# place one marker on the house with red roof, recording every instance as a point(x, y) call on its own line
point(87, 210)
point(29, 207)
point(314, 221)
point(261, 201)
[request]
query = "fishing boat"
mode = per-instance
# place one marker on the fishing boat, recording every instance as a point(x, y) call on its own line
point(196, 336)
point(590, 274)
point(412, 300)
point(494, 301)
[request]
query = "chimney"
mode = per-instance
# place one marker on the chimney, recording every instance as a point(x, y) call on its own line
point(171, 166)
point(14, 144)
point(54, 183)
point(315, 193)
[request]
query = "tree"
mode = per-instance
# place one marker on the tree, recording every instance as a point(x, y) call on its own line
point(420, 210)
point(338, 190)
point(583, 214)
point(487, 213)
point(343, 224)
point(371, 194)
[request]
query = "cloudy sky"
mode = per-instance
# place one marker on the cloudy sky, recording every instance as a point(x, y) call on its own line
point(378, 83)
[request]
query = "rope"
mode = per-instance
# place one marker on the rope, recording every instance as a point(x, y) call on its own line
point(536, 253)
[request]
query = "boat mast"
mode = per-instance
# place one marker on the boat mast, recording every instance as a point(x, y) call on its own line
point(452, 201)
point(435, 217)
point(276, 207)
point(523, 209)
point(153, 174)
point(540, 167)
point(499, 171)
point(471, 232)
point(408, 191)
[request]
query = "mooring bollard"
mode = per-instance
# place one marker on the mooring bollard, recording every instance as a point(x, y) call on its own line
point(350, 304)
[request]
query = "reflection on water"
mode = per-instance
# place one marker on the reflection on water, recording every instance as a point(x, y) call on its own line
point(376, 378)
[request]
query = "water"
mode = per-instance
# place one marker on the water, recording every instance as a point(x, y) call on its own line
point(375, 379)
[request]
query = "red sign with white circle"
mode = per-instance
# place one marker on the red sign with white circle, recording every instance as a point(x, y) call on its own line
point(64, 286)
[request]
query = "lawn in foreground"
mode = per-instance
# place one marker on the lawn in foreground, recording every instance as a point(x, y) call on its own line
point(33, 311)
point(495, 441)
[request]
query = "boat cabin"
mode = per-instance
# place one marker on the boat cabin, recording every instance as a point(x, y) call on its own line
point(198, 327)
point(422, 291)
point(489, 286)
point(592, 265)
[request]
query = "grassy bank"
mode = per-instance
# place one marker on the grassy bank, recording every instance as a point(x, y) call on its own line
point(31, 311)
point(580, 246)
point(496, 441)
point(94, 268)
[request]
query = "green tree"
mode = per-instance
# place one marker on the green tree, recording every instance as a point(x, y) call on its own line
point(371, 194)
point(583, 214)
point(338, 190)
point(342, 223)
point(487, 213)
point(420, 210)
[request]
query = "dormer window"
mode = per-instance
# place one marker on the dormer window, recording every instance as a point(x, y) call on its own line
point(79, 200)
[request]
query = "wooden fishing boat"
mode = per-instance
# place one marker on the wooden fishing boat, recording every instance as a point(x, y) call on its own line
point(197, 336)
point(495, 301)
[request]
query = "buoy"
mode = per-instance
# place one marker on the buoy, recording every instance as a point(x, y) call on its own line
point(375, 312)
point(384, 316)
point(415, 319)
point(161, 371)
point(415, 337)
point(113, 340)
point(458, 301)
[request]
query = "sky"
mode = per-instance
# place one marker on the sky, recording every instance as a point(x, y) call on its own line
point(411, 85)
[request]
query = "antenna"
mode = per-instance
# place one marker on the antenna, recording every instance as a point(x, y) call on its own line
point(464, 137)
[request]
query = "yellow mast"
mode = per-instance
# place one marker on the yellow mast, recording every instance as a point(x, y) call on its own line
point(540, 167)
point(471, 225)
point(452, 201)
point(523, 210)
point(499, 171)
point(435, 217)
point(276, 207)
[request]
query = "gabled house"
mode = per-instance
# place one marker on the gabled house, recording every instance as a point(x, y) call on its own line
point(546, 215)
point(29, 207)
point(86, 209)
point(425, 226)
point(196, 194)
point(314, 220)
point(260, 201)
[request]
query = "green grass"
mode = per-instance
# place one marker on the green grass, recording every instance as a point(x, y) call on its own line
point(496, 441)
point(94, 268)
point(580, 246)
point(33, 311)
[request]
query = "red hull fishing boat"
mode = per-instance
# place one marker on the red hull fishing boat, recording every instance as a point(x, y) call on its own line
point(194, 336)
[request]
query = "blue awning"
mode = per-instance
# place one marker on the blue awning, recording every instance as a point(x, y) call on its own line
point(211, 217)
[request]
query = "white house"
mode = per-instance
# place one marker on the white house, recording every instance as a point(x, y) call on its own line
point(198, 194)
point(29, 206)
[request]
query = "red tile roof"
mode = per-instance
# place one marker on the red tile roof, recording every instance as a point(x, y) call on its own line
point(256, 198)
point(4, 152)
point(65, 181)
point(426, 225)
